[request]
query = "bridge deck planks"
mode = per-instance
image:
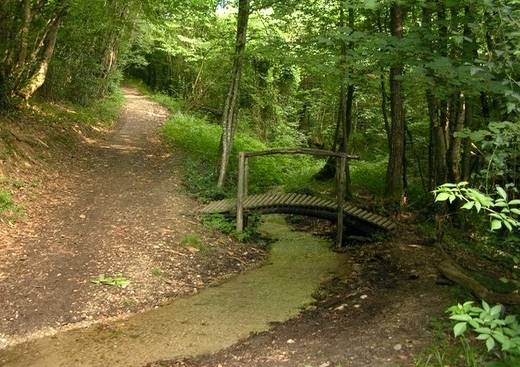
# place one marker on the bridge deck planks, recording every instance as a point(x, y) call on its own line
point(297, 200)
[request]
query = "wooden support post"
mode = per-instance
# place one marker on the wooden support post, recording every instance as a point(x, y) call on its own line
point(241, 191)
point(341, 164)
point(246, 177)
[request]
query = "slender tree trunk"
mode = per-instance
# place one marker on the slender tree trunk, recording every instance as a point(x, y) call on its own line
point(384, 108)
point(24, 33)
point(230, 111)
point(455, 149)
point(37, 78)
point(470, 53)
point(384, 95)
point(344, 120)
point(395, 179)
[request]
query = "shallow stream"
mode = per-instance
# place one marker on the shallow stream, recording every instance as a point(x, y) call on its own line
point(214, 319)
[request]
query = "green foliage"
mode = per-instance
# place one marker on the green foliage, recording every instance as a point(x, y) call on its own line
point(199, 140)
point(499, 332)
point(226, 225)
point(498, 147)
point(194, 242)
point(6, 201)
point(116, 281)
point(369, 176)
point(90, 49)
point(501, 211)
point(446, 351)
point(219, 222)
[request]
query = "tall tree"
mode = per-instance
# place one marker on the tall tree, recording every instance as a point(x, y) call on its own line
point(395, 178)
point(229, 114)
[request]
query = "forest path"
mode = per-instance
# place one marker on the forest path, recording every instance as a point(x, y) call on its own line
point(115, 206)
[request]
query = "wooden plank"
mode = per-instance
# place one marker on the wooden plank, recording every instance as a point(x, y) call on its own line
point(315, 201)
point(295, 200)
point(269, 200)
point(256, 201)
point(371, 218)
point(291, 199)
point(308, 199)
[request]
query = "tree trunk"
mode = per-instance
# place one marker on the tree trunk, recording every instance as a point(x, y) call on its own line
point(37, 78)
point(344, 123)
point(230, 111)
point(455, 149)
point(24, 34)
point(470, 53)
point(395, 172)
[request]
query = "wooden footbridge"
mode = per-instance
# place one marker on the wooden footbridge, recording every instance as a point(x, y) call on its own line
point(290, 203)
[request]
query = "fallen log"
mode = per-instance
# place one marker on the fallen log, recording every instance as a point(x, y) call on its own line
point(455, 273)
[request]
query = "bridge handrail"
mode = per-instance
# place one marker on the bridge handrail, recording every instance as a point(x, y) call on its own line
point(308, 151)
point(341, 162)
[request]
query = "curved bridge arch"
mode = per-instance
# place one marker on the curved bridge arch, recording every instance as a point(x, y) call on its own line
point(297, 203)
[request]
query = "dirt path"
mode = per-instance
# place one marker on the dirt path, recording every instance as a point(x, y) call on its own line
point(115, 206)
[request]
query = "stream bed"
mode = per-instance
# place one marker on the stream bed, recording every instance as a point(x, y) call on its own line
point(215, 318)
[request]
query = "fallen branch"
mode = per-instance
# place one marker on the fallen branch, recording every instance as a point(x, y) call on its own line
point(455, 273)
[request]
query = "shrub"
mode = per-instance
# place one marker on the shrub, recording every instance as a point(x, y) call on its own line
point(199, 140)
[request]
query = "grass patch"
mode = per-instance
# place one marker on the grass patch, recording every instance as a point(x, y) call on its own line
point(368, 176)
point(226, 225)
point(199, 139)
point(9, 210)
point(116, 281)
point(194, 243)
point(101, 113)
point(6, 201)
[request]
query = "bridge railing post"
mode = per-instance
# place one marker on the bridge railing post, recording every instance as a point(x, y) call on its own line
point(341, 164)
point(242, 187)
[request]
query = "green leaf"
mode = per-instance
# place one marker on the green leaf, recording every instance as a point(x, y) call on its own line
point(502, 192)
point(490, 344)
point(515, 202)
point(469, 205)
point(478, 206)
point(474, 324)
point(485, 306)
point(443, 196)
point(496, 310)
point(496, 224)
point(462, 317)
point(460, 328)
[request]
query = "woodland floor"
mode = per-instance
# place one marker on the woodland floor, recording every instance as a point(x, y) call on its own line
point(113, 204)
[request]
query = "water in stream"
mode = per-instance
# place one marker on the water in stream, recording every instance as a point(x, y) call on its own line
point(215, 318)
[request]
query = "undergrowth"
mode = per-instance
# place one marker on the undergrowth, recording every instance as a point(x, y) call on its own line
point(199, 140)
point(6, 201)
point(101, 113)
point(448, 351)
point(226, 225)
